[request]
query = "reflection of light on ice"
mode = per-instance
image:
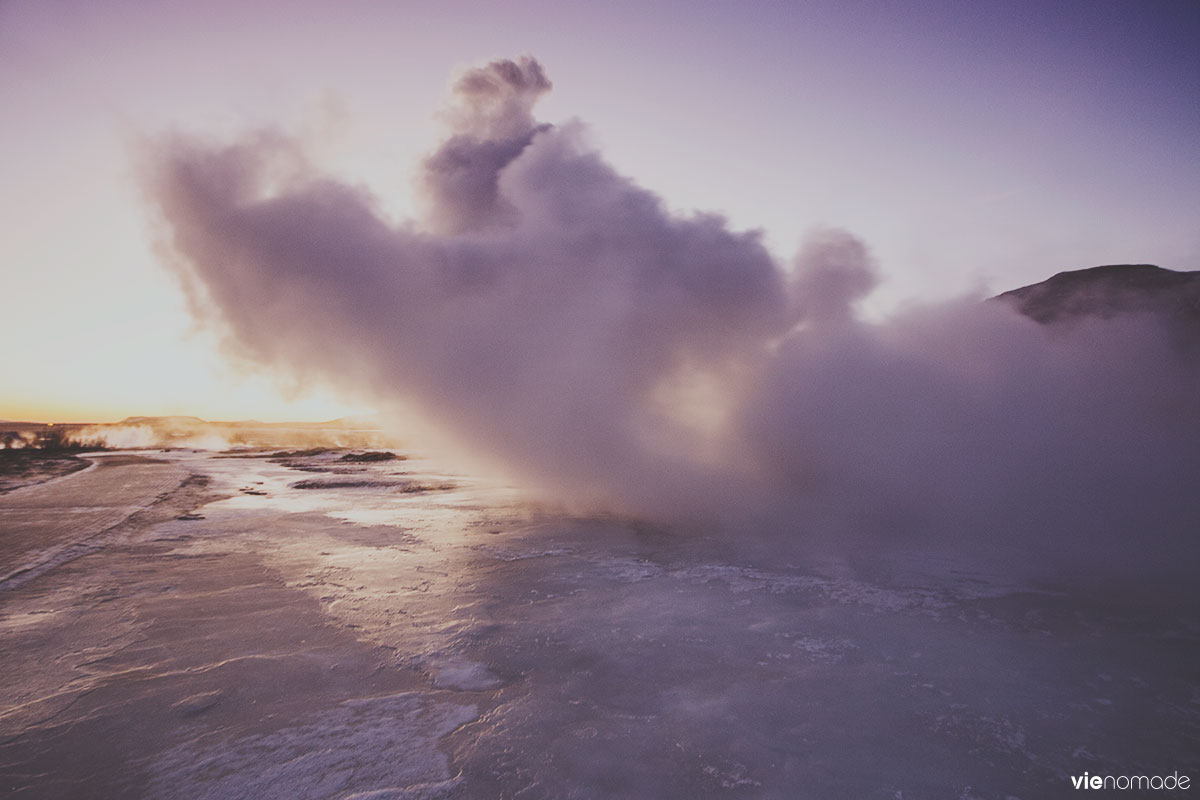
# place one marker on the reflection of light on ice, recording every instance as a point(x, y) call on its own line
point(385, 570)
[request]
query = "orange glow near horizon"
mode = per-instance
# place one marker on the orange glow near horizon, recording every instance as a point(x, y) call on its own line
point(75, 412)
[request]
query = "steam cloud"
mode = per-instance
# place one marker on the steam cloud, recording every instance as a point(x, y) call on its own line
point(555, 316)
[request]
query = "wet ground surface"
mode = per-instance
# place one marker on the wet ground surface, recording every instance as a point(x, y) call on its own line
point(197, 626)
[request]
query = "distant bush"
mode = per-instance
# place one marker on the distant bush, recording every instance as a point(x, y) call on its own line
point(58, 439)
point(50, 439)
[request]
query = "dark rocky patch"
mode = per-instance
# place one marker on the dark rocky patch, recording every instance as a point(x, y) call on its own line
point(28, 466)
point(370, 457)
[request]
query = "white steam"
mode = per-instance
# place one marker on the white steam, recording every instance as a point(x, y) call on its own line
point(553, 315)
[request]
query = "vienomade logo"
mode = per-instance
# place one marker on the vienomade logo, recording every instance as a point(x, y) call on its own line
point(1169, 782)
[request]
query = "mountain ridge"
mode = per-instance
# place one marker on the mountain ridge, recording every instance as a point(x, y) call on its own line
point(1108, 290)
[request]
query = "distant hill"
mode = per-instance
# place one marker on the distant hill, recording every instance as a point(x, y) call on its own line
point(1110, 290)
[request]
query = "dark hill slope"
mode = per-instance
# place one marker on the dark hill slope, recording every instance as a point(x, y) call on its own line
point(1108, 291)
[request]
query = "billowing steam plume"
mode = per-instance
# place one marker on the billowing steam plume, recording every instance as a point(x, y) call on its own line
point(553, 315)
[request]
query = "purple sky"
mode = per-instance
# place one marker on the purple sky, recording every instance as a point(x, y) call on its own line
point(971, 146)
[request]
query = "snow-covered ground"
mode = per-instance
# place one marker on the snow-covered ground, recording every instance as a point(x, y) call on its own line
point(201, 626)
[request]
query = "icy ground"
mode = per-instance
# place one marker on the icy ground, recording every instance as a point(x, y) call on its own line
point(196, 626)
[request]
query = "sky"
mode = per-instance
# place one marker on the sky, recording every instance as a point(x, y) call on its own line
point(972, 148)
